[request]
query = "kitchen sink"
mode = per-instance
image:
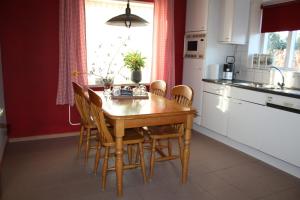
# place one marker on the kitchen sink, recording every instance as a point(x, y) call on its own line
point(257, 85)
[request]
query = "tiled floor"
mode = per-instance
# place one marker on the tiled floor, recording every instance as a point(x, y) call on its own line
point(50, 169)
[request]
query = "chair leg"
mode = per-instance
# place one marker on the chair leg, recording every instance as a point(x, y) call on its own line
point(97, 157)
point(129, 153)
point(80, 139)
point(104, 167)
point(137, 155)
point(180, 144)
point(169, 147)
point(87, 150)
point(142, 161)
point(152, 158)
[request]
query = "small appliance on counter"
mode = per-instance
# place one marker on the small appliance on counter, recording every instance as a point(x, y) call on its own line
point(212, 72)
point(228, 68)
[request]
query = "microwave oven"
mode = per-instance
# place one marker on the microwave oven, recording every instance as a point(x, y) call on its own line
point(194, 45)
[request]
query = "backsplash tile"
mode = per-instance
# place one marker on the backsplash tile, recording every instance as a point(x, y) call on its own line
point(258, 76)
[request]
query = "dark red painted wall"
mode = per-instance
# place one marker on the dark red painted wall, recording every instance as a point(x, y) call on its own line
point(29, 43)
point(179, 20)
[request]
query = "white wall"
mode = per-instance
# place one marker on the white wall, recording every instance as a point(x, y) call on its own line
point(3, 136)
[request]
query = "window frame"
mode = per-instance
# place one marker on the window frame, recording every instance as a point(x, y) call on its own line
point(289, 49)
point(96, 79)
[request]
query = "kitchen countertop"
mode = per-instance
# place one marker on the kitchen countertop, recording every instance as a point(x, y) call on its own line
point(289, 92)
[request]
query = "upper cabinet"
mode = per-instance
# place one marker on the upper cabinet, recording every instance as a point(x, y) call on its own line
point(196, 15)
point(234, 21)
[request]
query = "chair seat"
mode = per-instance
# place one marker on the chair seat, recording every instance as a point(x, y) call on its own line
point(131, 136)
point(91, 126)
point(162, 132)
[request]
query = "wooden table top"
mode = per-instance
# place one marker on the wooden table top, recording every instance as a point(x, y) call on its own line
point(133, 108)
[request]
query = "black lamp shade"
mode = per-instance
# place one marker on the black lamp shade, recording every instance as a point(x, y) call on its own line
point(127, 19)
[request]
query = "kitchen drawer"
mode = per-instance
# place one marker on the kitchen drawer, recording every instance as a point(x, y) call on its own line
point(248, 95)
point(216, 89)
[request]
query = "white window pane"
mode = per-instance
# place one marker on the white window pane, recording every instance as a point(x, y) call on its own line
point(296, 55)
point(106, 45)
point(276, 46)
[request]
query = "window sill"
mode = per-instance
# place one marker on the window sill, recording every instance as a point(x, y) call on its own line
point(120, 84)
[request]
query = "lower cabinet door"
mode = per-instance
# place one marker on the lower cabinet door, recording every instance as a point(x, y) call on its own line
point(282, 136)
point(246, 122)
point(214, 112)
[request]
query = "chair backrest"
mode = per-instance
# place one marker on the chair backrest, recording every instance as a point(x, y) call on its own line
point(183, 95)
point(98, 116)
point(158, 87)
point(82, 104)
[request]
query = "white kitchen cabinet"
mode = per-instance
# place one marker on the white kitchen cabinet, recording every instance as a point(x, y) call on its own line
point(235, 17)
point(214, 112)
point(196, 15)
point(246, 122)
point(281, 135)
point(244, 116)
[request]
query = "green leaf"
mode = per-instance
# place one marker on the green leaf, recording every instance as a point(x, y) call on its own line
point(134, 61)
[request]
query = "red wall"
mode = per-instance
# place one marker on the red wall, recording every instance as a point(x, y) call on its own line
point(179, 20)
point(29, 43)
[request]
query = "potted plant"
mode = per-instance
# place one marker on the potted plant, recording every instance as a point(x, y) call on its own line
point(135, 62)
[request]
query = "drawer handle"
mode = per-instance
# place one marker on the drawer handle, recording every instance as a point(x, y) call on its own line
point(235, 102)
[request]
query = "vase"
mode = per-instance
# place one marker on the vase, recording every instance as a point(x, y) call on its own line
point(136, 76)
point(107, 83)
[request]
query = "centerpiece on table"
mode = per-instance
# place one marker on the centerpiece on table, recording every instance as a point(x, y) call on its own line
point(135, 62)
point(106, 81)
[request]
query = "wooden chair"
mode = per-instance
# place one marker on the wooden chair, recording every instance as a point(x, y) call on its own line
point(107, 141)
point(183, 95)
point(158, 87)
point(87, 124)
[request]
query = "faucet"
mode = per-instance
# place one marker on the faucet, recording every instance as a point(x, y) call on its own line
point(282, 83)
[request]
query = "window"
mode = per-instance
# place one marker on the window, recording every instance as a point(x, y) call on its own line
point(296, 53)
point(107, 45)
point(284, 46)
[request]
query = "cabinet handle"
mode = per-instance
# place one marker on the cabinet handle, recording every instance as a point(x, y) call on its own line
point(236, 102)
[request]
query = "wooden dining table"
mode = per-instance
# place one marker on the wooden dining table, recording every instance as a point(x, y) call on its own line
point(133, 113)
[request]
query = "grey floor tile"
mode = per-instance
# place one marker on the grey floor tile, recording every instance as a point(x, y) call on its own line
point(289, 194)
point(51, 169)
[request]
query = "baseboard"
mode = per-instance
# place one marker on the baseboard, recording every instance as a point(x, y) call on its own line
point(43, 137)
point(275, 162)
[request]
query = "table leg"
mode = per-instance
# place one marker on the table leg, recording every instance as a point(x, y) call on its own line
point(186, 148)
point(119, 133)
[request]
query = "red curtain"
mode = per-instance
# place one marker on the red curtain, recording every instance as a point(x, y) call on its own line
point(72, 49)
point(281, 17)
point(164, 43)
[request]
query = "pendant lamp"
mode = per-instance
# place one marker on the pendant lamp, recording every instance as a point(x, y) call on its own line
point(127, 19)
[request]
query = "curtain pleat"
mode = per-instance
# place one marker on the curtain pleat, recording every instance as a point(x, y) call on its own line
point(164, 43)
point(72, 49)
